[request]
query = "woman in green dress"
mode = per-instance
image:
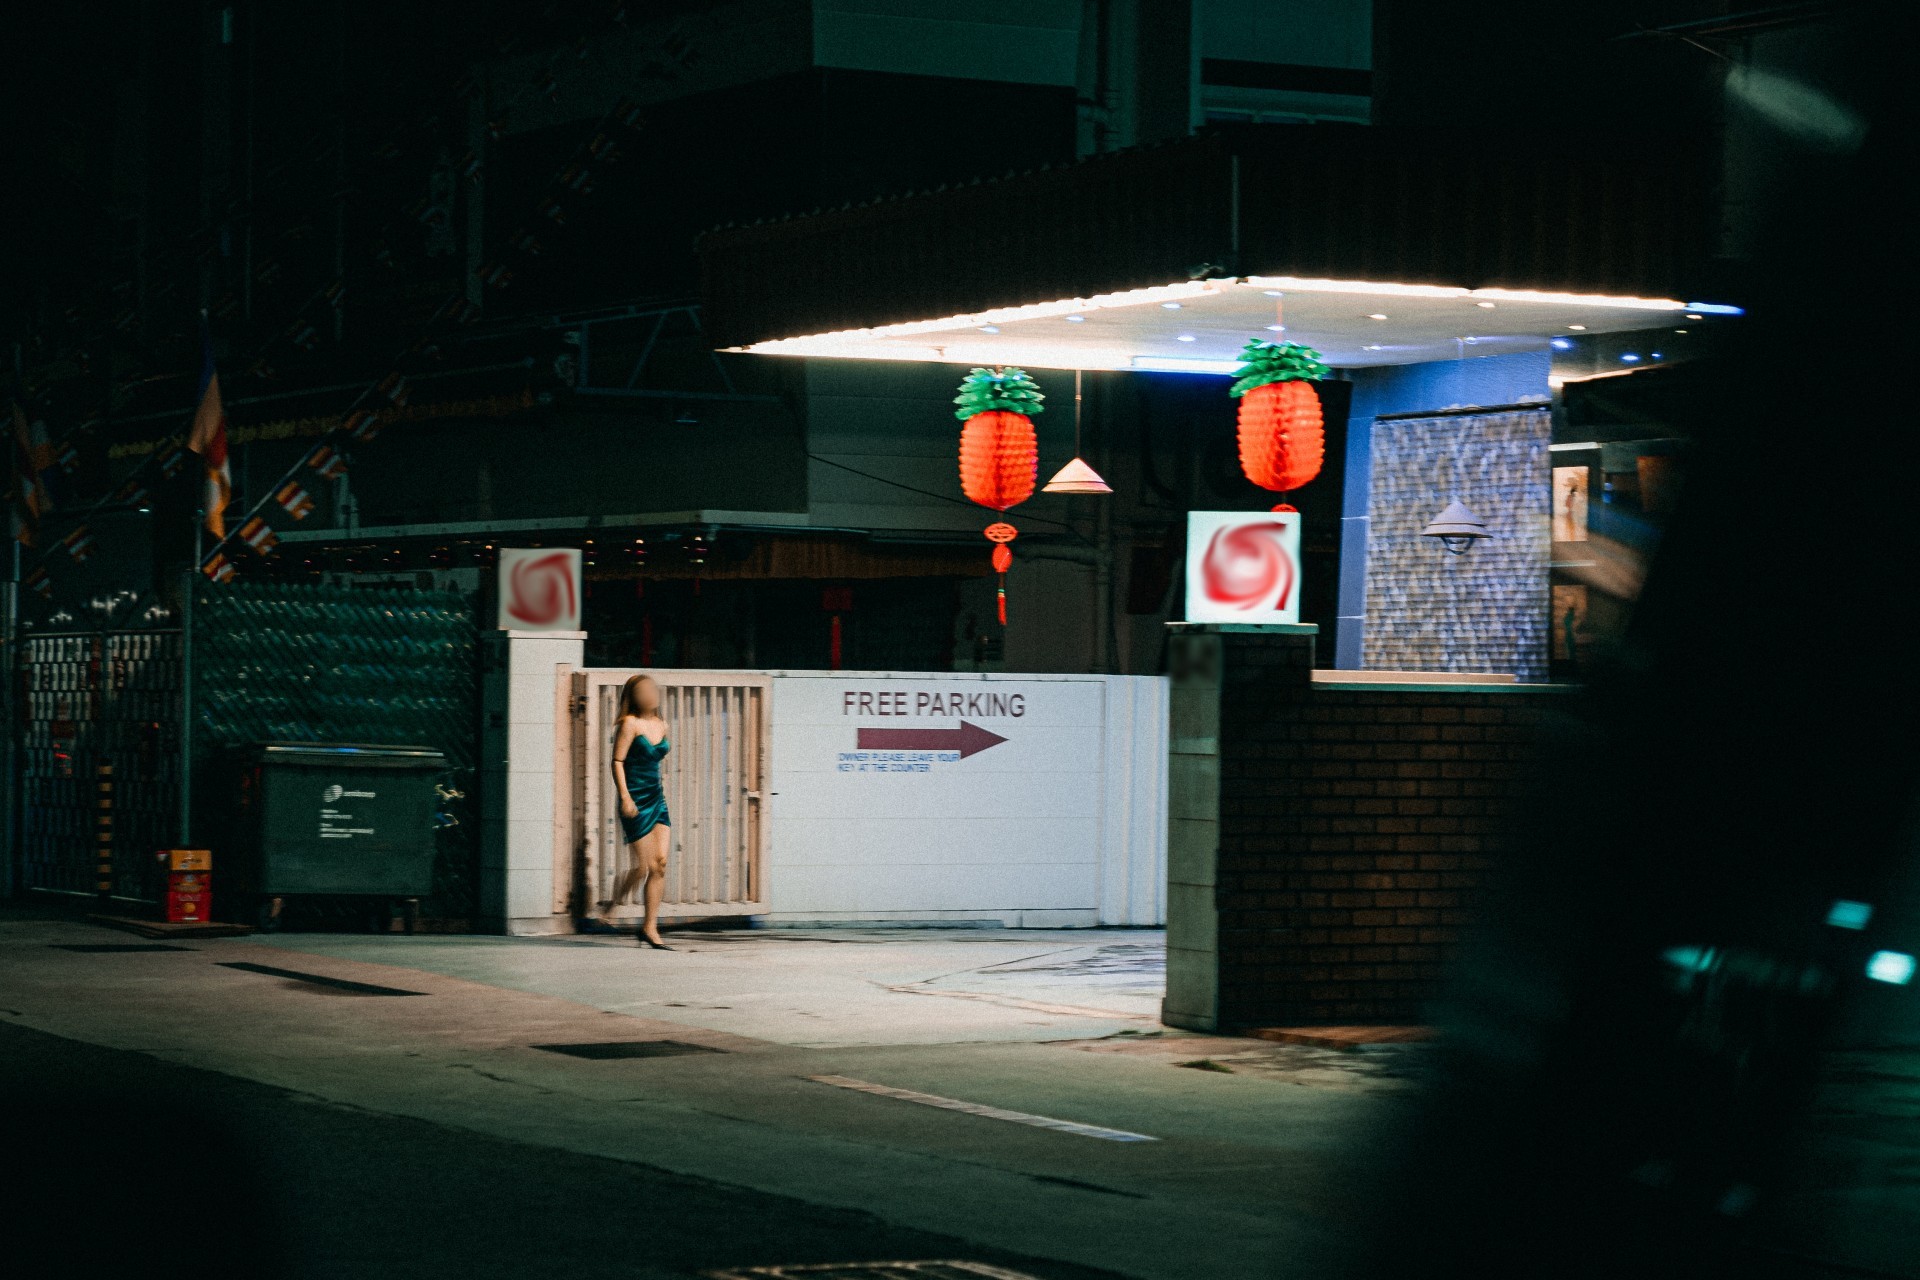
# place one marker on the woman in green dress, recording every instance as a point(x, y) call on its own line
point(639, 745)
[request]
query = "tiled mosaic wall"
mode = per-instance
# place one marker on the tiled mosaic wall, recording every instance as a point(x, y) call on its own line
point(1426, 609)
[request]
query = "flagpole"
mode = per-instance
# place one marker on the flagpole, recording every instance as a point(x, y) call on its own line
point(9, 630)
point(186, 689)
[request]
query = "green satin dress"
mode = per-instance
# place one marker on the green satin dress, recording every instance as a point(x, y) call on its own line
point(642, 767)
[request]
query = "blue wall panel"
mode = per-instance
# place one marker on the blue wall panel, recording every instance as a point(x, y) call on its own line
point(1410, 388)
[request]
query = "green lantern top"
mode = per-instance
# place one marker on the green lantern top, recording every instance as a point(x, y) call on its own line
point(1264, 362)
point(1009, 390)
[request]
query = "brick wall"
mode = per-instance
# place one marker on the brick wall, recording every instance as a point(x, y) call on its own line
point(1355, 828)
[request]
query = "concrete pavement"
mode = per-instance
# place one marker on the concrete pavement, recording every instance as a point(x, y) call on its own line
point(1243, 1173)
point(1257, 1155)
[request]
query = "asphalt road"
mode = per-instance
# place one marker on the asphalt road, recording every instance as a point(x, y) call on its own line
point(120, 1163)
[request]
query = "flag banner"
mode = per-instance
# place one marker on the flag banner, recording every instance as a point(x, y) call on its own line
point(394, 388)
point(172, 461)
point(296, 500)
point(328, 462)
point(208, 438)
point(79, 543)
point(218, 568)
point(363, 424)
point(257, 534)
point(68, 459)
point(38, 581)
point(28, 492)
point(133, 493)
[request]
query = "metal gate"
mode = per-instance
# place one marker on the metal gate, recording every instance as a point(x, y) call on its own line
point(716, 783)
point(92, 700)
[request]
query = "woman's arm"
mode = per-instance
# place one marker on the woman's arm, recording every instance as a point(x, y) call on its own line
point(622, 743)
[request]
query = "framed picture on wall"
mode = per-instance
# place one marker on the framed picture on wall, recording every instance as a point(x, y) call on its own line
point(1571, 635)
point(1570, 504)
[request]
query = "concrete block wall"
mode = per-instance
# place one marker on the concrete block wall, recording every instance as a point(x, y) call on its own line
point(519, 690)
point(1340, 834)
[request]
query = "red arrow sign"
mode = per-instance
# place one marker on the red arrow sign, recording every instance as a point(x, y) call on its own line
point(967, 739)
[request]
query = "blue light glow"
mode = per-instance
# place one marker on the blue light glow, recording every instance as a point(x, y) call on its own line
point(1844, 914)
point(989, 328)
point(1185, 364)
point(1562, 344)
point(1076, 319)
point(1716, 309)
point(1629, 358)
point(1895, 967)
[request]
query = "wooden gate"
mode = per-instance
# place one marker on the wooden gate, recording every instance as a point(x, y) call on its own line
point(716, 783)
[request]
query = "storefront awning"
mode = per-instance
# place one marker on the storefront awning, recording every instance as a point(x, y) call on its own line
point(1373, 247)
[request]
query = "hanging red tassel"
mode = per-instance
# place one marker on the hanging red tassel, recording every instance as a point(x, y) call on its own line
point(1000, 533)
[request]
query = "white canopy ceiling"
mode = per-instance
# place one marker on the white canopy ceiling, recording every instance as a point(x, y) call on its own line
point(1199, 326)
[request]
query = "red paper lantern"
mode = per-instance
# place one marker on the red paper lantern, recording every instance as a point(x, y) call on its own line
point(999, 458)
point(1282, 439)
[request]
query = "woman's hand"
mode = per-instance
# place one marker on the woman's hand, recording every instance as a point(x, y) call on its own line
point(628, 809)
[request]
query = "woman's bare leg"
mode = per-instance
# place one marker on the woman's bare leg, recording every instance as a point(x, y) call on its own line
point(652, 849)
point(628, 880)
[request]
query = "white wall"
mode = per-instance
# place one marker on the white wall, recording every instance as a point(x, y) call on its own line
point(519, 690)
point(1062, 824)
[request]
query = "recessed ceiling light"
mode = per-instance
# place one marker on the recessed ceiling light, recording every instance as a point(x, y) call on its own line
point(1679, 330)
point(1576, 326)
point(1274, 293)
point(1171, 306)
point(1561, 344)
point(1185, 337)
point(1485, 305)
point(1374, 346)
point(1376, 316)
point(1694, 316)
point(989, 328)
point(1076, 319)
point(1629, 358)
point(1656, 355)
point(1276, 328)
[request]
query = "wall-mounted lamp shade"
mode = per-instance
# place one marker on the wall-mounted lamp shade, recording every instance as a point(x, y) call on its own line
point(1457, 528)
point(1076, 477)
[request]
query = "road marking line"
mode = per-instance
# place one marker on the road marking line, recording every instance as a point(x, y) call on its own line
point(1015, 1002)
point(979, 1109)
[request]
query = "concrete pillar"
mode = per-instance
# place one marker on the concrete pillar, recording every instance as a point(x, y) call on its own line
point(1197, 661)
point(518, 685)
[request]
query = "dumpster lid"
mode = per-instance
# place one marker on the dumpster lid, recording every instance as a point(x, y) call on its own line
point(346, 753)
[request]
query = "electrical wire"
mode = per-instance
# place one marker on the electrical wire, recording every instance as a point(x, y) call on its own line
point(928, 493)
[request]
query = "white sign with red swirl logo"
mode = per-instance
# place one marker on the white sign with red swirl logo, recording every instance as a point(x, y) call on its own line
point(540, 589)
point(1243, 566)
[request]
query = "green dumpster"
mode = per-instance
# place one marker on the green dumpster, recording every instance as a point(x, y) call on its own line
point(340, 818)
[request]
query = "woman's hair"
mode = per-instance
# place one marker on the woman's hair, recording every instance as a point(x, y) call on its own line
point(630, 695)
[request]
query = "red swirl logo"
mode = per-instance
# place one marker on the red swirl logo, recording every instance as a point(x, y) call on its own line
point(1246, 565)
point(541, 590)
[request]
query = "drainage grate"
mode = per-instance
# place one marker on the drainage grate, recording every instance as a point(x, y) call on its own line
point(97, 948)
point(605, 1050)
point(941, 1270)
point(319, 980)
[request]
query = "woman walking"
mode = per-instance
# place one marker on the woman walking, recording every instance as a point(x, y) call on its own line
point(639, 745)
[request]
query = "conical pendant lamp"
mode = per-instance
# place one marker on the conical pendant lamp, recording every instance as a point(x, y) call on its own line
point(1076, 476)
